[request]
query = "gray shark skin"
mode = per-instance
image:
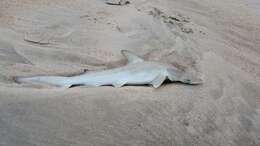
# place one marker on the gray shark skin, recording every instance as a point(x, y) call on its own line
point(136, 72)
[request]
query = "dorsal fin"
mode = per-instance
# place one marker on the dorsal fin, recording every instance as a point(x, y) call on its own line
point(132, 58)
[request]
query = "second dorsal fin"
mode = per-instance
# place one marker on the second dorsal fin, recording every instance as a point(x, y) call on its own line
point(132, 58)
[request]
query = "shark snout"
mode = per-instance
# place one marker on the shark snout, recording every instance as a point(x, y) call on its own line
point(197, 82)
point(193, 81)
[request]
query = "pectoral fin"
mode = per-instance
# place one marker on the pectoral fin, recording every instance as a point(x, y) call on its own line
point(157, 82)
point(132, 58)
point(119, 84)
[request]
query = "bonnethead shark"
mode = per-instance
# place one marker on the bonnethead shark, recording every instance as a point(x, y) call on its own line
point(136, 72)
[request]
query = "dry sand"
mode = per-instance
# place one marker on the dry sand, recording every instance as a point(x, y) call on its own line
point(217, 39)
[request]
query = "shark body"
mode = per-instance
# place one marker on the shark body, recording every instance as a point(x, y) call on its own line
point(136, 72)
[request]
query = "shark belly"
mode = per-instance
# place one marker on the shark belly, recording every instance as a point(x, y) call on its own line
point(107, 77)
point(116, 78)
point(141, 78)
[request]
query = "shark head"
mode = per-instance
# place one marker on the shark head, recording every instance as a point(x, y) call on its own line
point(187, 76)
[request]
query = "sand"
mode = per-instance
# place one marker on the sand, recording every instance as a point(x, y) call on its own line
point(217, 40)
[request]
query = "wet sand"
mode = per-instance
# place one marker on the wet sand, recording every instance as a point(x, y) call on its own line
point(217, 40)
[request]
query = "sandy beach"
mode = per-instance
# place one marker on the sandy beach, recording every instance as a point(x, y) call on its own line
point(218, 41)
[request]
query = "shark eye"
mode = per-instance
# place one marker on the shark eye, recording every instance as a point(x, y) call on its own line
point(187, 81)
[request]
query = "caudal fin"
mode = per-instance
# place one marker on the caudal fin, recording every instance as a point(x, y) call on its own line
point(58, 81)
